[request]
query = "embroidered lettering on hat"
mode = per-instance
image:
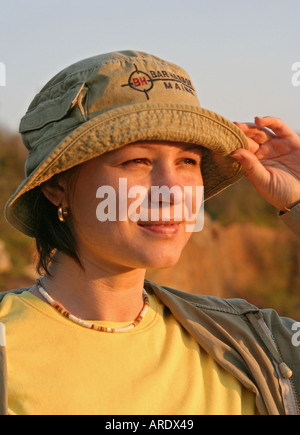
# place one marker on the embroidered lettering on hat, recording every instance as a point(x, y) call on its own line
point(143, 82)
point(140, 81)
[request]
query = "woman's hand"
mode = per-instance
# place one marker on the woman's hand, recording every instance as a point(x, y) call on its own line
point(273, 163)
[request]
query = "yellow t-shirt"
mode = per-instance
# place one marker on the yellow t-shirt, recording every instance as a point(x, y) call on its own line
point(58, 367)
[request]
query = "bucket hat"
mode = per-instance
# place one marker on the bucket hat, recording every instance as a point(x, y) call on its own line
point(105, 102)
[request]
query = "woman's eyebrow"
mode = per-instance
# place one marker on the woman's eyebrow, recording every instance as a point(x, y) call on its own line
point(128, 152)
point(193, 148)
point(183, 147)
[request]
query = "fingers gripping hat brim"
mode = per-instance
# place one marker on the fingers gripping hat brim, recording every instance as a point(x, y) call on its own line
point(148, 122)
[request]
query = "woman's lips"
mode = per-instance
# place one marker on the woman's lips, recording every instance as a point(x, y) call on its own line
point(162, 228)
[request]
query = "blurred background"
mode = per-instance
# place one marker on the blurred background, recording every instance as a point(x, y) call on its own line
point(240, 56)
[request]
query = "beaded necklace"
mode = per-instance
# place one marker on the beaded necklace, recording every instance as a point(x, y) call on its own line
point(89, 325)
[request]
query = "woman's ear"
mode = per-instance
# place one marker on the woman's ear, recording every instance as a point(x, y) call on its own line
point(54, 191)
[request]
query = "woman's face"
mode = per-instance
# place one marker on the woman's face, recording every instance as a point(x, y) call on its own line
point(147, 240)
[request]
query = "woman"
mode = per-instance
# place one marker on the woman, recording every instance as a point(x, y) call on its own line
point(93, 336)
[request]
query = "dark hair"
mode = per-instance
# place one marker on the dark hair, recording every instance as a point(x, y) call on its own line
point(50, 233)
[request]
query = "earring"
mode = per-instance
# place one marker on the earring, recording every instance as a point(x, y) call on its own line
point(62, 213)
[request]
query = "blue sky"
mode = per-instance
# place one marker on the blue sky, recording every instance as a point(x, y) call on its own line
point(238, 53)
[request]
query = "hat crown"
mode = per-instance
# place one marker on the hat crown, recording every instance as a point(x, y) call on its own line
point(102, 83)
point(125, 77)
point(95, 86)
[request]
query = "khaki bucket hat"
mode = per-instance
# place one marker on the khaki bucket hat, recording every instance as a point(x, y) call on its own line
point(111, 100)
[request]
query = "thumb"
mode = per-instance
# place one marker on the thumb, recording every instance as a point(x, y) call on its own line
point(254, 169)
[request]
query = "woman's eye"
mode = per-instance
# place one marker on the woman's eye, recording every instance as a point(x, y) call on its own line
point(144, 161)
point(136, 162)
point(190, 162)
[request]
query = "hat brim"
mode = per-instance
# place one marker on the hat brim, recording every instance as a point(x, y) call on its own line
point(129, 124)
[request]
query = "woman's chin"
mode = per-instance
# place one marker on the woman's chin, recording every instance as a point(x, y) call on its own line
point(160, 261)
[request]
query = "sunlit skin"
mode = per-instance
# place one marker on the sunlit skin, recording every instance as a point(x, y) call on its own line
point(116, 254)
point(143, 165)
point(272, 164)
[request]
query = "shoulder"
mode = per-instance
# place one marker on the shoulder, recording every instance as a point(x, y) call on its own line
point(14, 291)
point(227, 311)
point(210, 303)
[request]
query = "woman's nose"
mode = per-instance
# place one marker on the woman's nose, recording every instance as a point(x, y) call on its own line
point(165, 174)
point(166, 185)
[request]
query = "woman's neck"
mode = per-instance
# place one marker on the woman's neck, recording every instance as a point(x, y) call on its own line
point(96, 294)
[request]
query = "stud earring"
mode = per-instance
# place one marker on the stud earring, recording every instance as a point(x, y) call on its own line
point(62, 213)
